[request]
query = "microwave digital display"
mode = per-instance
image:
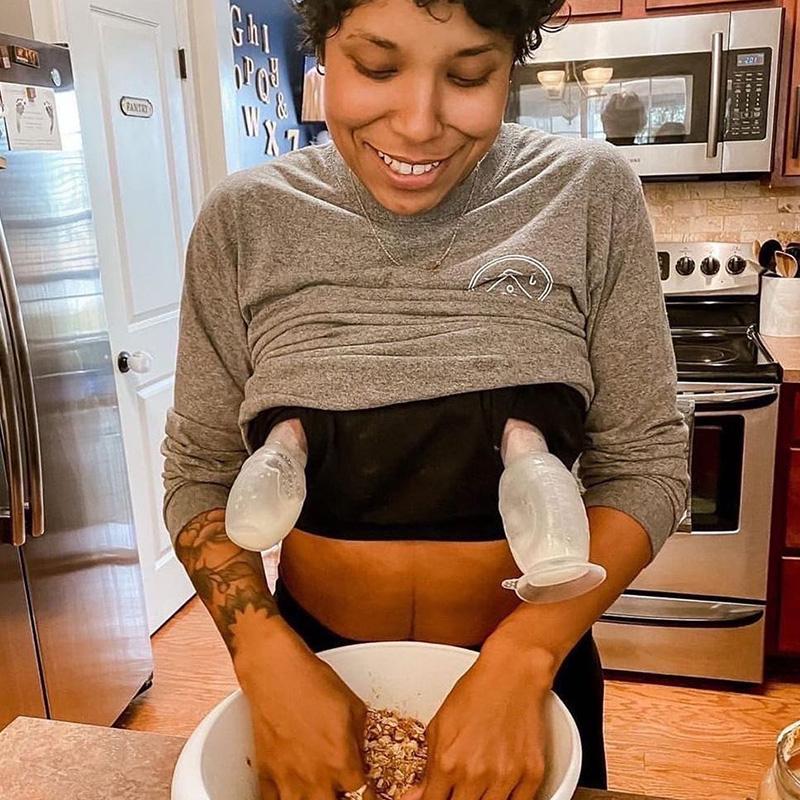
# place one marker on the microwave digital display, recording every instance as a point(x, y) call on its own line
point(750, 60)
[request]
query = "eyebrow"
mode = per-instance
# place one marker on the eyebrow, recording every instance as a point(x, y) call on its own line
point(388, 44)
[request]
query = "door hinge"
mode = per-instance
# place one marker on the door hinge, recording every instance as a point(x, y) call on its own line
point(182, 63)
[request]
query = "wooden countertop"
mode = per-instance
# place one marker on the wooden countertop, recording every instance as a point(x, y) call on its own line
point(785, 350)
point(46, 760)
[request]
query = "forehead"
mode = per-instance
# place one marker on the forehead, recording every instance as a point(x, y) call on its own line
point(399, 24)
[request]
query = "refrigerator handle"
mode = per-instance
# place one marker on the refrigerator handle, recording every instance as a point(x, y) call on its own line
point(11, 437)
point(30, 419)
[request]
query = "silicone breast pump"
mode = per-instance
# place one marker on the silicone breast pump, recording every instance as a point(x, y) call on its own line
point(268, 494)
point(544, 519)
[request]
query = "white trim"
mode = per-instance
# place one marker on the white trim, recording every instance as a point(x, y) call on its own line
point(211, 60)
point(47, 18)
point(189, 93)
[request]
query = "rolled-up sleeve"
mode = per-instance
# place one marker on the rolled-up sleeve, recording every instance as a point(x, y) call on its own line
point(203, 448)
point(634, 457)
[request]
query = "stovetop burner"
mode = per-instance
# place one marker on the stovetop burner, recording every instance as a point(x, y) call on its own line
point(711, 291)
point(733, 354)
point(696, 354)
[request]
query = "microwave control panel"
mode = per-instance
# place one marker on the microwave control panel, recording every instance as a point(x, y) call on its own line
point(747, 94)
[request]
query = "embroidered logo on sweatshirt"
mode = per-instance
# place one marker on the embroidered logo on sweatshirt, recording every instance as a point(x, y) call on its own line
point(516, 275)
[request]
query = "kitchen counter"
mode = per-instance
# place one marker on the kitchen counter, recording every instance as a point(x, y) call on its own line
point(43, 760)
point(785, 350)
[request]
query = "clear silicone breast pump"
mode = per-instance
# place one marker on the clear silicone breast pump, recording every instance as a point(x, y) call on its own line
point(544, 519)
point(268, 494)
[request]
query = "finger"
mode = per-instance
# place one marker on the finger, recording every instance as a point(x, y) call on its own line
point(318, 792)
point(305, 790)
point(470, 789)
point(414, 793)
point(438, 786)
point(268, 789)
point(526, 789)
point(352, 780)
point(504, 790)
point(294, 784)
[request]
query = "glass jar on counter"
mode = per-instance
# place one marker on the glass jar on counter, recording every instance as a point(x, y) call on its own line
point(782, 781)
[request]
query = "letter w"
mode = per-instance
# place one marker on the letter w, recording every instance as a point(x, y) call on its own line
point(252, 114)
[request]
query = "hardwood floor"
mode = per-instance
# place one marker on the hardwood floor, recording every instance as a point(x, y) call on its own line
point(682, 740)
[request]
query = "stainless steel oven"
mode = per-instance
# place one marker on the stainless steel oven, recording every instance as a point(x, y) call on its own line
point(698, 609)
point(681, 95)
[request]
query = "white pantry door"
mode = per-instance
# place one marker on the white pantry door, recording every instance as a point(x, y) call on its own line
point(125, 59)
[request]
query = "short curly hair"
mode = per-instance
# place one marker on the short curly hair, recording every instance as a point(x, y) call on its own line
point(521, 20)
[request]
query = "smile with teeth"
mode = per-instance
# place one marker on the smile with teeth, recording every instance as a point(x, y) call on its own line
point(402, 168)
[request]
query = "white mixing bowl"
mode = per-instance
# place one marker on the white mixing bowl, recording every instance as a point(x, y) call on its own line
point(413, 677)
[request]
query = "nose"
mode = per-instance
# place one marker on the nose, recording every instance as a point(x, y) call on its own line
point(418, 114)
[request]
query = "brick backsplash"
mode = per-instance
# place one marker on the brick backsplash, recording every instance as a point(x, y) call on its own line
point(728, 211)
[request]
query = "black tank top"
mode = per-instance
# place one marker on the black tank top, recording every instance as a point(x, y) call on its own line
point(427, 469)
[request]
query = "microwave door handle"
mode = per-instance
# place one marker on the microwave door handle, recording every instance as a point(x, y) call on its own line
point(30, 419)
point(11, 435)
point(716, 92)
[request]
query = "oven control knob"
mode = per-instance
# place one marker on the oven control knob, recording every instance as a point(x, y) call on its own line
point(709, 265)
point(684, 265)
point(736, 265)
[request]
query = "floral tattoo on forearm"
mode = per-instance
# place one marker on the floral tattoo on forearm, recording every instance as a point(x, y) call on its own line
point(229, 580)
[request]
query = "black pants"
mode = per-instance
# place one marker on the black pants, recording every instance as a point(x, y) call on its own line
point(579, 682)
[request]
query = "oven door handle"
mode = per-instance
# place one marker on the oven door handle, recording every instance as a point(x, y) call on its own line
point(728, 396)
point(679, 613)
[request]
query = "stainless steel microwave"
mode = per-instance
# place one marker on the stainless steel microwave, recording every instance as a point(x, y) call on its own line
point(681, 96)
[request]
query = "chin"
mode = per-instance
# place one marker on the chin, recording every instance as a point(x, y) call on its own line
point(410, 207)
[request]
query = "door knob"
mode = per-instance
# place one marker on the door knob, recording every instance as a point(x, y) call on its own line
point(139, 362)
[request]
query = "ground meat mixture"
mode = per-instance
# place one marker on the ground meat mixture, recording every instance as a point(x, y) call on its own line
point(395, 752)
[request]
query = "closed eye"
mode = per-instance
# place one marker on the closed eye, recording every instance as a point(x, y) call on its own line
point(385, 74)
point(376, 74)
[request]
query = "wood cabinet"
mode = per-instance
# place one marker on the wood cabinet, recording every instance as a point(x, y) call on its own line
point(691, 5)
point(594, 10)
point(792, 517)
point(787, 143)
point(789, 626)
point(583, 8)
point(783, 603)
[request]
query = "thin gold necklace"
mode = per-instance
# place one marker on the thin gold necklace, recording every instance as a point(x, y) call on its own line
point(438, 263)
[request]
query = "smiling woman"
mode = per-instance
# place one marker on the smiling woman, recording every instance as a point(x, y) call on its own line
point(432, 92)
point(399, 296)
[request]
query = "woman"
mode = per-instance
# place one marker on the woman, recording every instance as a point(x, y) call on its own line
point(401, 293)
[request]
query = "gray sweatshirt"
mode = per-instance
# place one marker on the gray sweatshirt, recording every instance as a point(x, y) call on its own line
point(288, 299)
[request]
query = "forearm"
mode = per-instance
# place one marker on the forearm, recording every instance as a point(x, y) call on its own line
point(231, 582)
point(548, 632)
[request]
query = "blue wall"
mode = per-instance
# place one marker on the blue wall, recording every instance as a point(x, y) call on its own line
point(283, 41)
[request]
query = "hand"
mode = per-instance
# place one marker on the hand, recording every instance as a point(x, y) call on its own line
point(487, 739)
point(308, 725)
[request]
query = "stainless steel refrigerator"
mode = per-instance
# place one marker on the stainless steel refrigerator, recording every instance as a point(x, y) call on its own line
point(74, 643)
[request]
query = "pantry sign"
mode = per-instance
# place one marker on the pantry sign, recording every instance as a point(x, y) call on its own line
point(264, 35)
